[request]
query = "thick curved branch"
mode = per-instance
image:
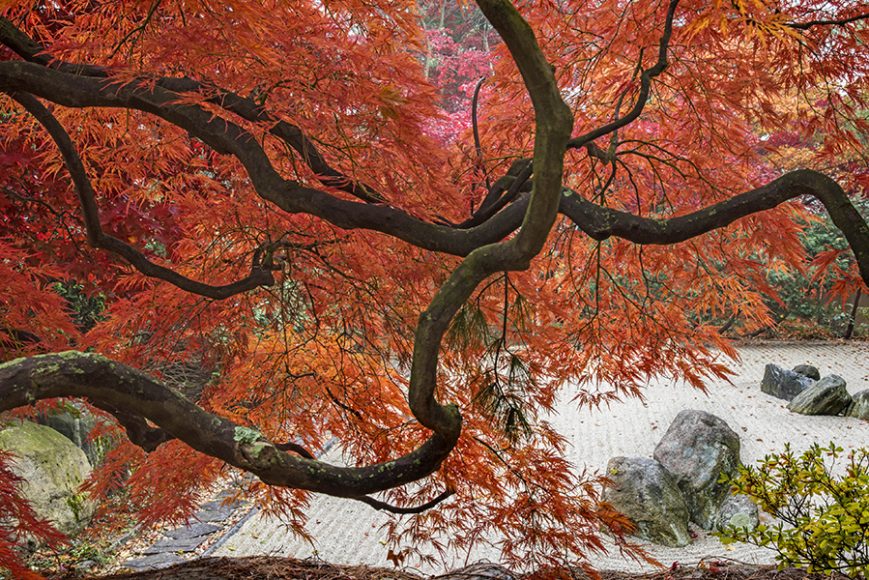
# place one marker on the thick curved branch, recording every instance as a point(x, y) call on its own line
point(244, 107)
point(260, 275)
point(112, 386)
point(290, 134)
point(137, 428)
point(602, 222)
point(79, 91)
point(553, 123)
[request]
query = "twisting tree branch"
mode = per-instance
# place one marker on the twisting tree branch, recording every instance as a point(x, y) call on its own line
point(113, 386)
point(602, 222)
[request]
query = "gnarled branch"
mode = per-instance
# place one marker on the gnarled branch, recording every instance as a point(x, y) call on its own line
point(112, 386)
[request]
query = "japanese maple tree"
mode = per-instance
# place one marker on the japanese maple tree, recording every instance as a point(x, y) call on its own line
point(278, 192)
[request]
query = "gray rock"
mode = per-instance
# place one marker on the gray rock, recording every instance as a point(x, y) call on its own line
point(479, 571)
point(859, 407)
point(644, 491)
point(827, 397)
point(174, 545)
point(737, 511)
point(783, 383)
point(75, 423)
point(153, 561)
point(53, 469)
point(697, 450)
point(808, 371)
point(215, 514)
point(194, 530)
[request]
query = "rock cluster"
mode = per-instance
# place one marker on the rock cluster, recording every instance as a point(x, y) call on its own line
point(810, 394)
point(682, 483)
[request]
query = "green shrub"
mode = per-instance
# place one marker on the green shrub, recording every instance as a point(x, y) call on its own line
point(822, 507)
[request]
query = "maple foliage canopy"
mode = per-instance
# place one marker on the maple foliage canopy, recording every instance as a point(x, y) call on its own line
point(370, 232)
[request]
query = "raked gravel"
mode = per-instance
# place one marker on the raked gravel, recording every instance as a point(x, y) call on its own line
point(347, 532)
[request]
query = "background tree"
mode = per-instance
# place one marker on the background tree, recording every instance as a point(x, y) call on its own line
point(271, 196)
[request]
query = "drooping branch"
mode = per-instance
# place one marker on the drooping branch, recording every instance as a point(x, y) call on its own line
point(290, 134)
point(78, 91)
point(261, 268)
point(244, 107)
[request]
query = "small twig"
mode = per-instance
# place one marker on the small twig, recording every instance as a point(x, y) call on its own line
point(383, 506)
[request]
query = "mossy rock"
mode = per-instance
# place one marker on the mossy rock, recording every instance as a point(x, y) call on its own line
point(859, 407)
point(828, 396)
point(75, 422)
point(53, 469)
point(645, 492)
point(697, 450)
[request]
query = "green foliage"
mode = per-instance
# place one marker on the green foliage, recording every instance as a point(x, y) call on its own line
point(468, 327)
point(86, 309)
point(504, 396)
point(822, 506)
point(805, 303)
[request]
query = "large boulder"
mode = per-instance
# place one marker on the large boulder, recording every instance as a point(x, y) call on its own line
point(737, 511)
point(783, 383)
point(645, 492)
point(859, 406)
point(808, 371)
point(826, 397)
point(697, 450)
point(53, 469)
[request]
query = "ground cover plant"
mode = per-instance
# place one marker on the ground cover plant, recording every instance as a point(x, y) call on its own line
point(411, 228)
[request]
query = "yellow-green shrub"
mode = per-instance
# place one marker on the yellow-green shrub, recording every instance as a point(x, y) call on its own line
point(822, 508)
